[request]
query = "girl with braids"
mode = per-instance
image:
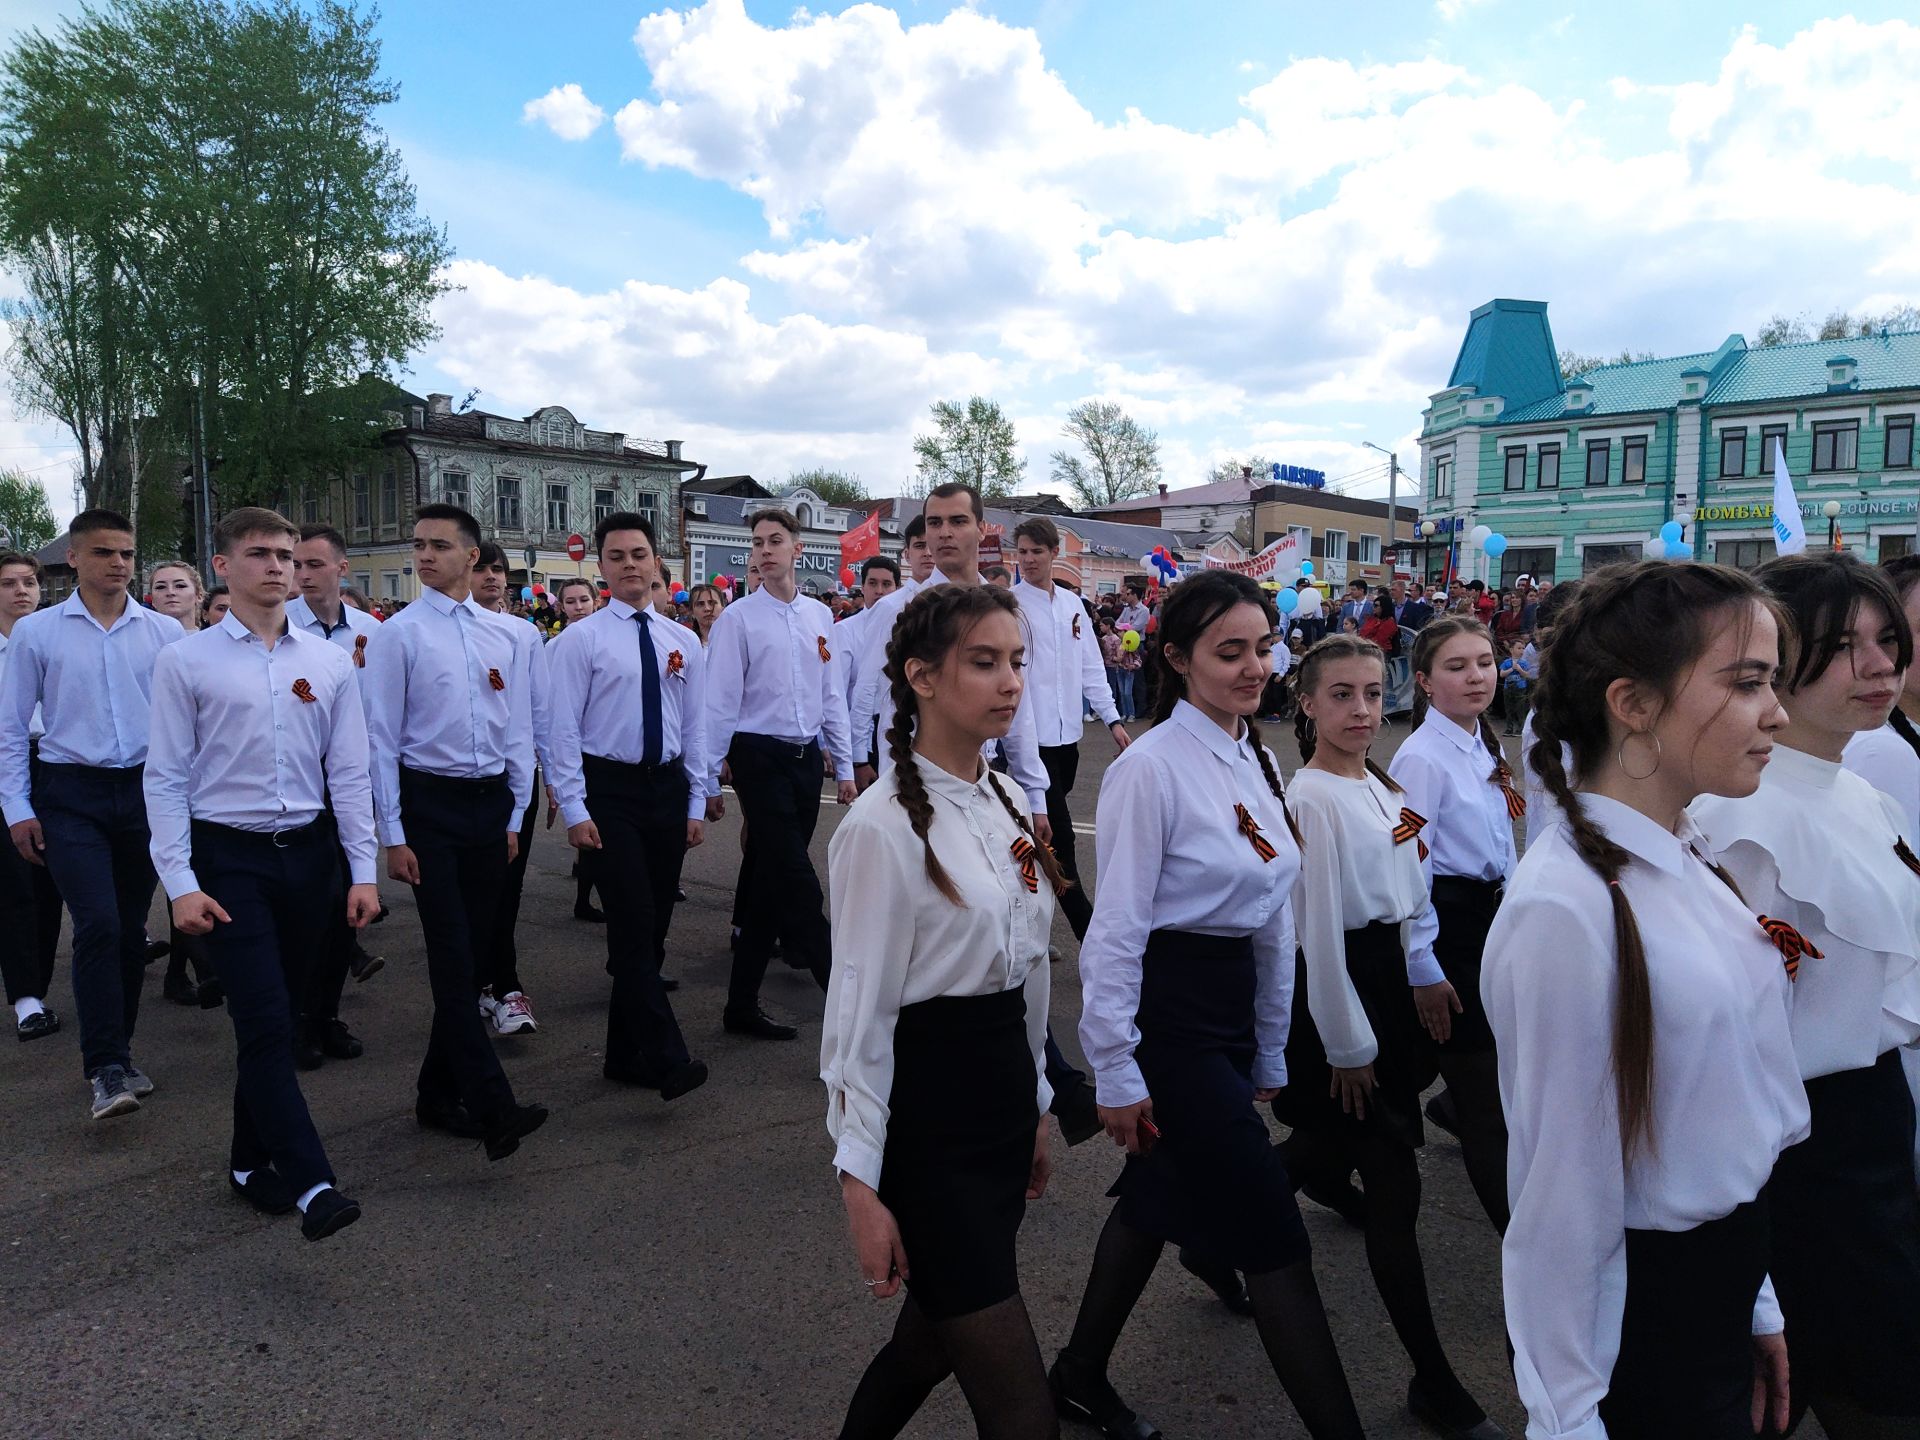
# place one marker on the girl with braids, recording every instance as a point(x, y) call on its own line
point(1541, 811)
point(1453, 773)
point(1358, 1056)
point(1640, 1009)
point(1818, 849)
point(935, 1022)
point(1185, 978)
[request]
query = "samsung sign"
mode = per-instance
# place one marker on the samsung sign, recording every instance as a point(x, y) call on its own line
point(1297, 475)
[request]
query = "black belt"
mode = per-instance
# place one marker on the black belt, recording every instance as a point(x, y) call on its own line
point(464, 784)
point(97, 772)
point(797, 749)
point(629, 767)
point(274, 839)
point(1496, 888)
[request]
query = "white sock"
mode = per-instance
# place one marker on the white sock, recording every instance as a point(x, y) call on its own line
point(240, 1176)
point(25, 1007)
point(306, 1198)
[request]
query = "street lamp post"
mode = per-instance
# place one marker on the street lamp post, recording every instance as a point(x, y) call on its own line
point(1832, 511)
point(1427, 531)
point(1393, 491)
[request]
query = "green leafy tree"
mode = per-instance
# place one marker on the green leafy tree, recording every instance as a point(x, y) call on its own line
point(972, 443)
point(1121, 459)
point(1838, 325)
point(836, 487)
point(1232, 469)
point(24, 511)
point(1573, 364)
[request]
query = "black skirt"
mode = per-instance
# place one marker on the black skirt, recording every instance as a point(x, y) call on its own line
point(1404, 1066)
point(962, 1117)
point(1685, 1370)
point(1214, 1181)
point(1846, 1242)
point(1465, 910)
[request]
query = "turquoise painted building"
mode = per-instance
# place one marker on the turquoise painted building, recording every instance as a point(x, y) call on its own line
point(1582, 472)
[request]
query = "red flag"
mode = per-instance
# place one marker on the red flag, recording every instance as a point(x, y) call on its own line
point(861, 542)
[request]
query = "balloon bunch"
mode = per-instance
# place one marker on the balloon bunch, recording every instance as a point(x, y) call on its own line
point(1671, 544)
point(527, 592)
point(1158, 560)
point(724, 582)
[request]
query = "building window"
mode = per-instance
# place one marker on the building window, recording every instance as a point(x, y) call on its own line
point(1599, 452)
point(649, 508)
point(1743, 554)
point(1836, 447)
point(1892, 547)
point(605, 502)
point(390, 584)
point(361, 518)
point(1536, 561)
point(1369, 549)
point(1633, 462)
point(454, 490)
point(1549, 467)
point(309, 509)
point(363, 581)
point(506, 506)
point(1595, 556)
point(390, 499)
point(1336, 545)
point(1443, 478)
point(1899, 443)
point(1733, 454)
point(559, 516)
point(1516, 469)
point(1772, 438)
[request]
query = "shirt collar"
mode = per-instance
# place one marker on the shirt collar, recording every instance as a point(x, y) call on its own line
point(620, 608)
point(1640, 836)
point(231, 627)
point(1189, 717)
point(1800, 767)
point(135, 611)
point(951, 787)
point(1464, 740)
point(446, 605)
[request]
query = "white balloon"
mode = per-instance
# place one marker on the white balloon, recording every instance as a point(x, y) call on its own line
point(1656, 549)
point(1478, 535)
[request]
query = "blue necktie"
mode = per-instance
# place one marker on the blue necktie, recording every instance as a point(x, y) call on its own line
point(649, 693)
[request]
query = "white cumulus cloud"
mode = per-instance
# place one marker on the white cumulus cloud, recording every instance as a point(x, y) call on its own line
point(566, 111)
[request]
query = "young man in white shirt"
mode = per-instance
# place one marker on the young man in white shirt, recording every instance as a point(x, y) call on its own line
point(771, 698)
point(29, 900)
point(916, 552)
point(258, 757)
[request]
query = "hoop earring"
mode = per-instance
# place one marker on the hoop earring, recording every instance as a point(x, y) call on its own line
point(1621, 758)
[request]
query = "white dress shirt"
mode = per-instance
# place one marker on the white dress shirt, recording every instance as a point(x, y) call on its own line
point(873, 703)
point(1888, 763)
point(770, 672)
point(1726, 1096)
point(35, 727)
point(1135, 617)
point(255, 739)
point(897, 941)
point(1172, 856)
point(1351, 875)
point(433, 704)
point(1444, 768)
point(92, 685)
point(532, 645)
point(345, 633)
point(599, 706)
point(1814, 846)
point(1064, 670)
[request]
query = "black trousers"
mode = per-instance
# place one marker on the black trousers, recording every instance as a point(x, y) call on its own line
point(778, 783)
point(95, 823)
point(1063, 767)
point(280, 897)
point(641, 813)
point(328, 975)
point(29, 926)
point(500, 957)
point(457, 830)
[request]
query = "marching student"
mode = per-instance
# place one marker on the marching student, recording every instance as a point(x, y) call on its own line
point(450, 719)
point(29, 900)
point(87, 667)
point(770, 701)
point(879, 578)
point(1646, 1072)
point(503, 1001)
point(1818, 849)
point(1368, 999)
point(629, 770)
point(320, 570)
point(258, 750)
point(1541, 811)
point(942, 903)
point(1186, 978)
point(579, 598)
point(1453, 775)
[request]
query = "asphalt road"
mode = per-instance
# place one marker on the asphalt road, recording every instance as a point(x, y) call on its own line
point(637, 1269)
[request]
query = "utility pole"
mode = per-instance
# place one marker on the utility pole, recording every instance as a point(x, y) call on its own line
point(1393, 494)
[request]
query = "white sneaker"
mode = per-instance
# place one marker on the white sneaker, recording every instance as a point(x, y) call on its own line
point(489, 1007)
point(514, 1015)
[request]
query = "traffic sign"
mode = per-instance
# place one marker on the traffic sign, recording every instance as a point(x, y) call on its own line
point(576, 547)
point(532, 557)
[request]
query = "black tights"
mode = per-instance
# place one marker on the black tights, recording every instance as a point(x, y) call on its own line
point(1286, 1308)
point(993, 1354)
point(1474, 1082)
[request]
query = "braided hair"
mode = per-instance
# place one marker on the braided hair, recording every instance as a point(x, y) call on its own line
point(1307, 673)
point(1647, 622)
point(928, 629)
point(1426, 650)
point(1904, 572)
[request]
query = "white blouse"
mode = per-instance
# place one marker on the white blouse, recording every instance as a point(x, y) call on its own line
point(1444, 769)
point(1814, 846)
point(1172, 856)
point(1889, 764)
point(1726, 1099)
point(1352, 873)
point(1542, 810)
point(897, 941)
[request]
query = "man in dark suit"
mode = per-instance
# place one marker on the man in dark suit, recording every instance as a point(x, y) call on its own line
point(1410, 606)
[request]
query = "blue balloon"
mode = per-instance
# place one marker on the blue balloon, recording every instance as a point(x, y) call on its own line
point(1495, 545)
point(1286, 602)
point(526, 592)
point(1671, 531)
point(1306, 567)
point(1679, 550)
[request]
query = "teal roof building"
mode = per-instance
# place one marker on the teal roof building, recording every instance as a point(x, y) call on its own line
point(1582, 471)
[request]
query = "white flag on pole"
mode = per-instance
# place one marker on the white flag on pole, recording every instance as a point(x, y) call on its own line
point(1789, 533)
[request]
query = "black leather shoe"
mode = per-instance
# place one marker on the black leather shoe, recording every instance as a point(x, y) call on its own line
point(589, 914)
point(448, 1120)
point(1459, 1418)
point(1099, 1407)
point(1223, 1280)
point(37, 1026)
point(336, 1041)
point(1441, 1111)
point(1341, 1197)
point(180, 989)
point(265, 1191)
point(212, 994)
point(1078, 1113)
point(307, 1054)
point(510, 1127)
point(158, 950)
point(328, 1212)
point(758, 1024)
point(363, 965)
point(631, 1072)
point(683, 1078)
point(669, 984)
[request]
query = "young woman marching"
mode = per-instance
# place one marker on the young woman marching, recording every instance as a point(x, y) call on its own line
point(1368, 982)
point(177, 591)
point(1454, 777)
point(1640, 1008)
point(1819, 849)
point(935, 1022)
point(1185, 980)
